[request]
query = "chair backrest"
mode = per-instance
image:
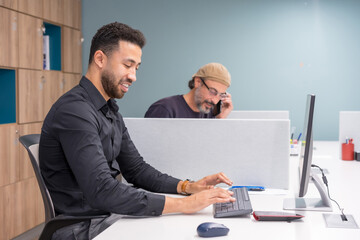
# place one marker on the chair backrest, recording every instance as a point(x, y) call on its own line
point(31, 143)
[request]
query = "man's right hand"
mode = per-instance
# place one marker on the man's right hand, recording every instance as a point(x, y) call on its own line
point(197, 201)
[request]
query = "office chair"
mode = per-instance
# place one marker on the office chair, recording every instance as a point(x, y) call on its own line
point(52, 222)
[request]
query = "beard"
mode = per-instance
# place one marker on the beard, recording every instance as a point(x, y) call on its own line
point(199, 102)
point(111, 85)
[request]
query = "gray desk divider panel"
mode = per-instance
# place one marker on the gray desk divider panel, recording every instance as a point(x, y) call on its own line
point(250, 152)
point(349, 126)
point(235, 114)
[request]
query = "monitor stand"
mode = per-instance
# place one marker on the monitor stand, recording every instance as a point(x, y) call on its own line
point(310, 204)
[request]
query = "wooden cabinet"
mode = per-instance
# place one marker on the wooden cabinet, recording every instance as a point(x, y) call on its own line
point(72, 13)
point(21, 204)
point(52, 89)
point(31, 85)
point(4, 233)
point(9, 157)
point(72, 50)
point(30, 42)
point(13, 4)
point(32, 7)
point(20, 207)
point(28, 92)
point(8, 36)
point(40, 89)
point(54, 10)
point(70, 80)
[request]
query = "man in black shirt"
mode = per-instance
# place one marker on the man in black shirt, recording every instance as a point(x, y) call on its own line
point(207, 97)
point(85, 145)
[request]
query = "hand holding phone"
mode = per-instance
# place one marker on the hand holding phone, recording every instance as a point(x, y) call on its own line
point(223, 107)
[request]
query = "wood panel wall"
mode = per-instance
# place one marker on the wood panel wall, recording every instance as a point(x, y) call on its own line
point(21, 23)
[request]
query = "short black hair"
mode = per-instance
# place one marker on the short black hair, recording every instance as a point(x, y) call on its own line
point(108, 36)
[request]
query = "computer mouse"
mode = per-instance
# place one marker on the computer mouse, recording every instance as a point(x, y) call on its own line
point(211, 229)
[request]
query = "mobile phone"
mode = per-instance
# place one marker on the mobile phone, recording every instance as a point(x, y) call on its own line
point(250, 188)
point(217, 109)
point(275, 216)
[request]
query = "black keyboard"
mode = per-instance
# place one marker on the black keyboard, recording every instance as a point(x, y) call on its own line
point(241, 206)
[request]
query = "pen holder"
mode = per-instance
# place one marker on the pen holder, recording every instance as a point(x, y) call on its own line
point(347, 151)
point(294, 148)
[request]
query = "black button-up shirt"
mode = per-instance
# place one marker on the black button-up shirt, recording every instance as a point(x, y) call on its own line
point(84, 145)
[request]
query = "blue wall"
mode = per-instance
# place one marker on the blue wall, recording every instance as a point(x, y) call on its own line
point(276, 51)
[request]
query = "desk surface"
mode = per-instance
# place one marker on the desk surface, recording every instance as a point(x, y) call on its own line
point(342, 177)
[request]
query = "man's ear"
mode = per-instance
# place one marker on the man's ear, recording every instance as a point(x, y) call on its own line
point(197, 82)
point(100, 59)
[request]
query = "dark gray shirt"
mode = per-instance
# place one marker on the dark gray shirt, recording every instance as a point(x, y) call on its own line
point(174, 107)
point(84, 145)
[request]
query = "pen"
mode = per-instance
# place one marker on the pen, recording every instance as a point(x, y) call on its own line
point(299, 137)
point(292, 132)
point(250, 188)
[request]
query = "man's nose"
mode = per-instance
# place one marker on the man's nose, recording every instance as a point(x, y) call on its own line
point(132, 76)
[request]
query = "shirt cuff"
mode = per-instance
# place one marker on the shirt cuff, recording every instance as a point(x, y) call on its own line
point(156, 204)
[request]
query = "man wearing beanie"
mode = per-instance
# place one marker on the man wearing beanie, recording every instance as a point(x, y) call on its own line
point(207, 97)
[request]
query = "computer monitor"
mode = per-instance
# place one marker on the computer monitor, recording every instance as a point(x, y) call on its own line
point(305, 173)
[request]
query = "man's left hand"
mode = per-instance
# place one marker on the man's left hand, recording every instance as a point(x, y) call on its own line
point(208, 182)
point(226, 107)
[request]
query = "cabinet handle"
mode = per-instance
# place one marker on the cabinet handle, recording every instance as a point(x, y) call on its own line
point(16, 141)
point(41, 84)
point(14, 24)
point(62, 83)
point(43, 28)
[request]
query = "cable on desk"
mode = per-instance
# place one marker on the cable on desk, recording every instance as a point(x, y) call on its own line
point(327, 187)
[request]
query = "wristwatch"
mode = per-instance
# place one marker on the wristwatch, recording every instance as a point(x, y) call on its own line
point(183, 187)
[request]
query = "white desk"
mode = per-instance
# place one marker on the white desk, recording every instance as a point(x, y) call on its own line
point(343, 177)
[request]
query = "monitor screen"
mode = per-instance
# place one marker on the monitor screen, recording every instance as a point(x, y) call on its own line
point(305, 174)
point(307, 146)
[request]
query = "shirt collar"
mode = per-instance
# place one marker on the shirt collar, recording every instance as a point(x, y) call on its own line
point(96, 97)
point(112, 104)
point(94, 94)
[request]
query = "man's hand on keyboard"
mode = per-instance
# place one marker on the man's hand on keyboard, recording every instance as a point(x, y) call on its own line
point(205, 198)
point(208, 182)
point(240, 207)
